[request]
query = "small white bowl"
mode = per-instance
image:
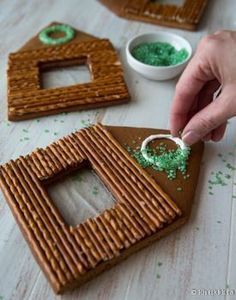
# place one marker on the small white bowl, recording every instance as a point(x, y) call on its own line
point(157, 72)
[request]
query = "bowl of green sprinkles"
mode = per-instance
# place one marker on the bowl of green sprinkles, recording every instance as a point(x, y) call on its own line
point(158, 56)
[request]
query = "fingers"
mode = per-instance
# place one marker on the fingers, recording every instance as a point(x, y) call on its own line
point(209, 120)
point(207, 137)
point(218, 133)
point(193, 79)
point(206, 95)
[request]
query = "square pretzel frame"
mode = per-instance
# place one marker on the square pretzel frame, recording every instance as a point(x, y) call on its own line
point(69, 256)
point(26, 98)
point(185, 16)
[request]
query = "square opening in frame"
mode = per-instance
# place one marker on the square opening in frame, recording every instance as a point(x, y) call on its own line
point(65, 75)
point(80, 196)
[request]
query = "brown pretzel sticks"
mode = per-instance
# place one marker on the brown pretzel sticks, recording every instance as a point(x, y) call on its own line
point(26, 97)
point(185, 16)
point(70, 256)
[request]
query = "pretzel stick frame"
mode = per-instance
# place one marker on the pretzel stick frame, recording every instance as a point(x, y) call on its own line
point(70, 256)
point(28, 99)
point(185, 16)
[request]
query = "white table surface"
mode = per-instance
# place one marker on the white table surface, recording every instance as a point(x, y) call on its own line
point(202, 254)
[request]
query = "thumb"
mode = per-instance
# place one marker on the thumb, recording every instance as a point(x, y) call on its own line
point(209, 118)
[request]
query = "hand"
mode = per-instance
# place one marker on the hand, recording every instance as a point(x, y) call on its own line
point(193, 109)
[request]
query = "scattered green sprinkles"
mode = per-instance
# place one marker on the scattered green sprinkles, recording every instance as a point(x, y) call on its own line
point(78, 178)
point(159, 54)
point(223, 177)
point(161, 159)
point(86, 123)
point(95, 190)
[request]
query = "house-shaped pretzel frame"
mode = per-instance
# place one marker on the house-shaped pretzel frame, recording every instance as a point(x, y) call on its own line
point(70, 256)
point(26, 96)
point(185, 16)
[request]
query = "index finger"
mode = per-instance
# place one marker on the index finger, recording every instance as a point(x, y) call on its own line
point(196, 74)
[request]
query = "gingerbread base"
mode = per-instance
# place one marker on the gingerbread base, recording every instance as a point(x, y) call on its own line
point(186, 16)
point(148, 205)
point(28, 99)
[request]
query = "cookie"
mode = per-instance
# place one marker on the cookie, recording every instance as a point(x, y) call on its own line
point(26, 97)
point(148, 205)
point(186, 16)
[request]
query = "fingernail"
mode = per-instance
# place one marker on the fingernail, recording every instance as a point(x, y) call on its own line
point(190, 138)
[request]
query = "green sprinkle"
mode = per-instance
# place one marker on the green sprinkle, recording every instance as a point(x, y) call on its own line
point(95, 190)
point(26, 138)
point(160, 159)
point(220, 155)
point(159, 264)
point(46, 131)
point(38, 121)
point(158, 276)
point(229, 166)
point(197, 228)
point(227, 286)
point(55, 133)
point(210, 193)
point(234, 197)
point(78, 178)
point(219, 222)
point(25, 130)
point(159, 54)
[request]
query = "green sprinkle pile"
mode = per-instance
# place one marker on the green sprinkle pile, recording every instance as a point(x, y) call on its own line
point(161, 159)
point(159, 54)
